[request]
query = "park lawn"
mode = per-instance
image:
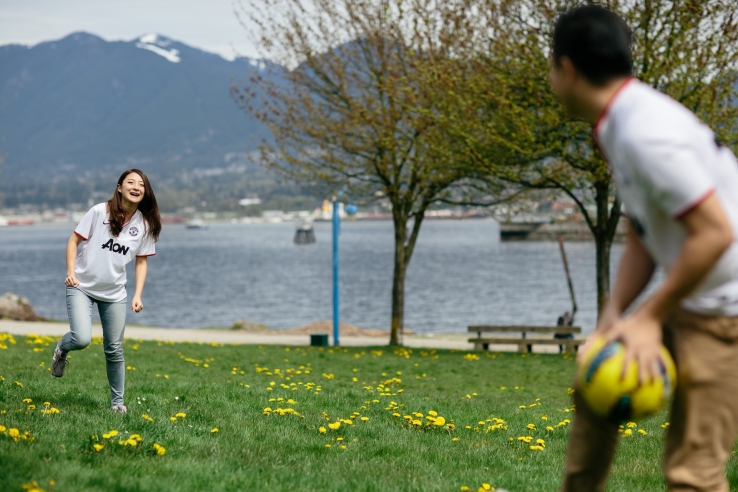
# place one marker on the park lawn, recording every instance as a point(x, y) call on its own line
point(229, 387)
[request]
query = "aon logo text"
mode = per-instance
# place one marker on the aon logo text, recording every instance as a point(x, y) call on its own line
point(115, 247)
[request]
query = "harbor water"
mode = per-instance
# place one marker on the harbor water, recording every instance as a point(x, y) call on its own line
point(461, 274)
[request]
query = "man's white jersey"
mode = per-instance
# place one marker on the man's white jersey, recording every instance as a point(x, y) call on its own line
point(665, 162)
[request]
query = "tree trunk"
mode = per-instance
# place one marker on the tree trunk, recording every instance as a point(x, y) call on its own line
point(398, 281)
point(604, 234)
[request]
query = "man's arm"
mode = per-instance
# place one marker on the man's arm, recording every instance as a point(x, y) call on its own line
point(709, 235)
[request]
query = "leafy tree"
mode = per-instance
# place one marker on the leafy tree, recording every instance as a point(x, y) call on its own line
point(687, 49)
point(362, 107)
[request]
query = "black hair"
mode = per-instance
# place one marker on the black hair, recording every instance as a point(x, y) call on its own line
point(596, 40)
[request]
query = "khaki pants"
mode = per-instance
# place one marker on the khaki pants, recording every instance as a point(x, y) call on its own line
point(704, 413)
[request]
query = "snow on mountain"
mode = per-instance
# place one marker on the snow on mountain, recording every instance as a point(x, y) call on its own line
point(157, 44)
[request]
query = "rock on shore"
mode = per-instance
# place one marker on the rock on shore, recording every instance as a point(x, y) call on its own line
point(15, 307)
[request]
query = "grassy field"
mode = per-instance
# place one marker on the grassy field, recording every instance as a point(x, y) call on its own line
point(486, 407)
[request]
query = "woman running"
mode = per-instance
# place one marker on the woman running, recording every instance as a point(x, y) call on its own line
point(111, 235)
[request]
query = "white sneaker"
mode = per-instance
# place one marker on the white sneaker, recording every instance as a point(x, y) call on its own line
point(59, 362)
point(121, 409)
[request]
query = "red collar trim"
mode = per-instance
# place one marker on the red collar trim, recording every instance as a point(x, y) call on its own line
point(609, 104)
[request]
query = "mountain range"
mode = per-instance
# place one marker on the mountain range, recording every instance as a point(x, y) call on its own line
point(81, 109)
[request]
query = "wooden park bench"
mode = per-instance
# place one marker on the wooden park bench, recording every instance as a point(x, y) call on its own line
point(526, 344)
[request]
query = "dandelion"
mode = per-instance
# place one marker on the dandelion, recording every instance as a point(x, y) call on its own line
point(455, 439)
point(173, 419)
point(334, 426)
point(642, 432)
point(113, 433)
point(364, 419)
point(628, 432)
point(327, 445)
point(27, 400)
point(180, 415)
point(98, 447)
point(464, 488)
point(531, 427)
point(440, 421)
point(214, 430)
point(665, 425)
point(14, 433)
point(322, 430)
point(632, 425)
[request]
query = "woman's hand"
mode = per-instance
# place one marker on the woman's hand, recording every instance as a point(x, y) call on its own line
point(136, 304)
point(71, 281)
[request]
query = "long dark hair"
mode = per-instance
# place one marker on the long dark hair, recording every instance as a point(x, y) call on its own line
point(148, 207)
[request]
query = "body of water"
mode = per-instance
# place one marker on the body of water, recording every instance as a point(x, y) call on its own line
point(460, 274)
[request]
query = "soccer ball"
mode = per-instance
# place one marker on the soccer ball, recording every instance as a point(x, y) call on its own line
point(617, 398)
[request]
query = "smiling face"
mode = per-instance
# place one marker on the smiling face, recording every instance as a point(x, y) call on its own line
point(132, 189)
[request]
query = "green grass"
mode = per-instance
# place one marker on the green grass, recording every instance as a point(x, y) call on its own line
point(252, 451)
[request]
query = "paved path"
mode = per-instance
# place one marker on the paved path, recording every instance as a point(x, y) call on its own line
point(456, 341)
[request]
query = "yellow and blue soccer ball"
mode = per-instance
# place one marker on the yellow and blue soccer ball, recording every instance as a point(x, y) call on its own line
point(619, 398)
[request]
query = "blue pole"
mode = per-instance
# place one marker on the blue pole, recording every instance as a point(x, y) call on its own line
point(336, 232)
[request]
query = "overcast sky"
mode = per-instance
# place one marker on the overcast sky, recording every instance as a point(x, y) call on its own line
point(206, 24)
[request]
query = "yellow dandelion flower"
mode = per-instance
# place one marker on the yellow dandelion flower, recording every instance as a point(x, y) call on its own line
point(113, 433)
point(180, 415)
point(531, 427)
point(322, 430)
point(464, 488)
point(334, 426)
point(14, 433)
point(214, 430)
point(440, 421)
point(364, 419)
point(665, 425)
point(628, 432)
point(632, 425)
point(327, 445)
point(455, 439)
point(641, 431)
point(161, 450)
point(433, 413)
point(549, 428)
point(27, 400)
point(173, 419)
point(98, 447)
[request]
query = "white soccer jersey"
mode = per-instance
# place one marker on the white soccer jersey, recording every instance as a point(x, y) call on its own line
point(102, 258)
point(665, 162)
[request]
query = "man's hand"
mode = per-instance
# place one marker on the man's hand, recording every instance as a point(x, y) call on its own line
point(610, 316)
point(641, 335)
point(136, 304)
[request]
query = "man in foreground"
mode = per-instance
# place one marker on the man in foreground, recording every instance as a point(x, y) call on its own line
point(679, 187)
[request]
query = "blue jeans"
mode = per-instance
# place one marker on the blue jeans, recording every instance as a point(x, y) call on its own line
point(113, 317)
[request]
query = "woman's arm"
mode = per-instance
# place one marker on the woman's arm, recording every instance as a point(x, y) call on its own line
point(72, 244)
point(141, 269)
